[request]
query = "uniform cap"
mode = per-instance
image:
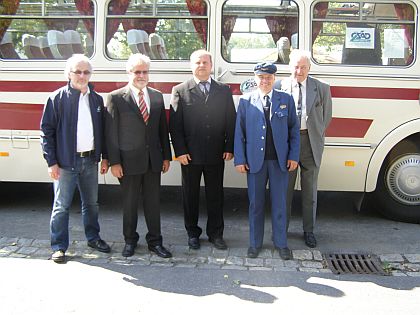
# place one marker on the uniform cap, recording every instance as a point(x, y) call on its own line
point(265, 68)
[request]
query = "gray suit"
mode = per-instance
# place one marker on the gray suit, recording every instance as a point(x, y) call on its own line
point(319, 112)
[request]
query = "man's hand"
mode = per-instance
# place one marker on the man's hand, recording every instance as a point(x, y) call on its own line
point(243, 168)
point(117, 170)
point(54, 171)
point(184, 159)
point(104, 167)
point(291, 165)
point(165, 166)
point(227, 156)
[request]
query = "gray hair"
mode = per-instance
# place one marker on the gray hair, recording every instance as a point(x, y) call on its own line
point(136, 59)
point(73, 61)
point(200, 53)
point(298, 54)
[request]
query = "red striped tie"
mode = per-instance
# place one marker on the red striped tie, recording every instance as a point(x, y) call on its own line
point(143, 107)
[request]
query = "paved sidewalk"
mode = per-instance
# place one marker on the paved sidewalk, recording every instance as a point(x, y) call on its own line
point(207, 257)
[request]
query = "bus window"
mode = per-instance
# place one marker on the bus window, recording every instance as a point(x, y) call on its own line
point(255, 31)
point(161, 30)
point(363, 33)
point(48, 29)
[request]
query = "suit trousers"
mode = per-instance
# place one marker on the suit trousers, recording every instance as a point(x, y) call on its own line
point(309, 185)
point(213, 180)
point(257, 183)
point(148, 186)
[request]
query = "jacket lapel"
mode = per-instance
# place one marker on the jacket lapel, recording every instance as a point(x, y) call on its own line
point(256, 101)
point(128, 97)
point(311, 91)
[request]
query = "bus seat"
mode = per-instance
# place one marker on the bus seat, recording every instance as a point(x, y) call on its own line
point(43, 44)
point(135, 41)
point(73, 38)
point(154, 46)
point(55, 38)
point(32, 47)
point(7, 49)
point(60, 48)
point(145, 38)
point(89, 46)
point(283, 49)
point(294, 40)
point(163, 48)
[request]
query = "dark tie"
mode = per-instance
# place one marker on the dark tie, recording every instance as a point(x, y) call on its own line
point(143, 107)
point(299, 104)
point(204, 88)
point(267, 107)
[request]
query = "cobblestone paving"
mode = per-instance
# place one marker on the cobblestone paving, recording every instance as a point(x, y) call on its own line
point(206, 257)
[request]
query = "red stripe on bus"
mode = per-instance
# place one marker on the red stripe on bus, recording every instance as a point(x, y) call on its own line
point(28, 116)
point(348, 127)
point(20, 116)
point(166, 88)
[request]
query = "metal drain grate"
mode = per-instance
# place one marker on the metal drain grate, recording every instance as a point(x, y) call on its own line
point(354, 264)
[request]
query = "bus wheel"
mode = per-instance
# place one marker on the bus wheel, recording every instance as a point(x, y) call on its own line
point(397, 195)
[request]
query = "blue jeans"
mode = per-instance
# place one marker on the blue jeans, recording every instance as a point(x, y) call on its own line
point(85, 177)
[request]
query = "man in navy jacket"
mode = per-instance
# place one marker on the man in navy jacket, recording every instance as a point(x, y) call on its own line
point(266, 149)
point(72, 136)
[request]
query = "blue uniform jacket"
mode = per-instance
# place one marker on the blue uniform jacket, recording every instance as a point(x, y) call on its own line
point(250, 131)
point(59, 126)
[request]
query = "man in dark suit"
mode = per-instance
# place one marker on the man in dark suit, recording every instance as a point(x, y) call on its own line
point(202, 125)
point(139, 150)
point(266, 149)
point(314, 107)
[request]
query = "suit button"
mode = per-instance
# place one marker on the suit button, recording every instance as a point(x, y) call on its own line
point(262, 137)
point(263, 127)
point(262, 149)
point(147, 146)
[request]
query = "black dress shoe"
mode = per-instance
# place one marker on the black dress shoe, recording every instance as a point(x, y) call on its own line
point(253, 252)
point(100, 245)
point(285, 253)
point(194, 242)
point(160, 251)
point(128, 250)
point(218, 242)
point(310, 239)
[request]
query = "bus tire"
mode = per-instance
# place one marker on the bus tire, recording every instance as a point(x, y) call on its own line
point(397, 194)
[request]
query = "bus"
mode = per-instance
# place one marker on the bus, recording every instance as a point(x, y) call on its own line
point(366, 50)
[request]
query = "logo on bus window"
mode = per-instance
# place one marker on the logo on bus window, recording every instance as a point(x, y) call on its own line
point(248, 86)
point(360, 38)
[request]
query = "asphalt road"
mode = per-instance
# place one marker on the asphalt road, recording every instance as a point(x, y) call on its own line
point(25, 211)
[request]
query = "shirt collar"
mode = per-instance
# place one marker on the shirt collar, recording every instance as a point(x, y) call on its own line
point(198, 81)
point(270, 94)
point(136, 91)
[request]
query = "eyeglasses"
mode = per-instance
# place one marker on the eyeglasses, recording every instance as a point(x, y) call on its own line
point(138, 72)
point(79, 72)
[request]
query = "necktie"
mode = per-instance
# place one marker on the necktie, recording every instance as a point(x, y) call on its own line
point(143, 107)
point(204, 88)
point(299, 104)
point(267, 108)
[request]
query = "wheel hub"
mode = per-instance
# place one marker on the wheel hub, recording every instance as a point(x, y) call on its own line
point(403, 179)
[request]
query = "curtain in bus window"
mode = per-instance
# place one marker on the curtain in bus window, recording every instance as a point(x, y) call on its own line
point(7, 8)
point(199, 7)
point(281, 26)
point(320, 11)
point(117, 7)
point(86, 7)
point(406, 12)
point(228, 23)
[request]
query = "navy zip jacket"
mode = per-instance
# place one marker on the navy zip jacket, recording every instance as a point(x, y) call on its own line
point(59, 126)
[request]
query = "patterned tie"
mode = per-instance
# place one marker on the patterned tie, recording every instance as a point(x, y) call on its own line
point(266, 108)
point(143, 107)
point(299, 105)
point(204, 88)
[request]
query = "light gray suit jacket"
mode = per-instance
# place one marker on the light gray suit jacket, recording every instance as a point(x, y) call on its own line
point(318, 111)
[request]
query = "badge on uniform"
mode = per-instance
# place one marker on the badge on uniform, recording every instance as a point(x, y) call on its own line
point(98, 110)
point(283, 106)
